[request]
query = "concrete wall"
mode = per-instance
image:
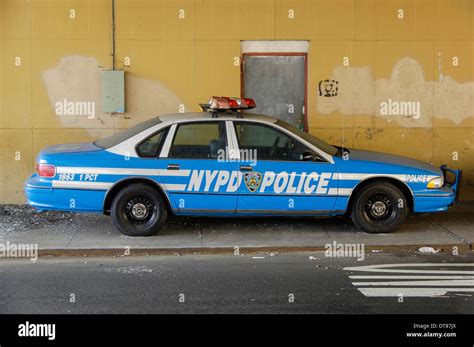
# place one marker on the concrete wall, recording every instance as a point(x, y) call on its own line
point(183, 51)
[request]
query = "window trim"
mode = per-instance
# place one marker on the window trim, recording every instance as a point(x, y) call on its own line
point(174, 130)
point(167, 144)
point(327, 158)
point(156, 121)
point(160, 146)
point(232, 145)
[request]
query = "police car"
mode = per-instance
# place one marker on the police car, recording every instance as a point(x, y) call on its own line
point(225, 162)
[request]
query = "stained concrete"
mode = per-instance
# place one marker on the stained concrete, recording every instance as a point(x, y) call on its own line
point(72, 231)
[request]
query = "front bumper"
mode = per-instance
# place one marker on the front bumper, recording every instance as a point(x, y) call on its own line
point(436, 200)
point(452, 179)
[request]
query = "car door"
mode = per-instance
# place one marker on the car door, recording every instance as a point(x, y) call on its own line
point(281, 175)
point(197, 174)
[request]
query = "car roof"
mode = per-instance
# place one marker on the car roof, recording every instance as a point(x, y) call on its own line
point(221, 115)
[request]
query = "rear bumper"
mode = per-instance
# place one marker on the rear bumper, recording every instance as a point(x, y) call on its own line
point(42, 196)
point(39, 193)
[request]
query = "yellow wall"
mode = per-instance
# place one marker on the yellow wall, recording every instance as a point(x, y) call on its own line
point(179, 62)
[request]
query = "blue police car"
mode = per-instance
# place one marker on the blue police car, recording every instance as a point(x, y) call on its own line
point(224, 162)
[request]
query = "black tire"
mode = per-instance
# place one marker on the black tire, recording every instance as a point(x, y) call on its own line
point(138, 210)
point(380, 207)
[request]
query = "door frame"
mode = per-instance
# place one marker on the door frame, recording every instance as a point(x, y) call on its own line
point(173, 195)
point(283, 54)
point(329, 158)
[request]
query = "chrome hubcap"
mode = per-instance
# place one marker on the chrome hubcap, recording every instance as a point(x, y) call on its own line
point(378, 208)
point(139, 211)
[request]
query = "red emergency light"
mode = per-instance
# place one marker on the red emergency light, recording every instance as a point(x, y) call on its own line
point(225, 103)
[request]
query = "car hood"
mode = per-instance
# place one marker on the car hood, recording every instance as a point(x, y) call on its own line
point(71, 148)
point(383, 158)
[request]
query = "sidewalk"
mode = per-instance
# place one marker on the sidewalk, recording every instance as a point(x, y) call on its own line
point(59, 233)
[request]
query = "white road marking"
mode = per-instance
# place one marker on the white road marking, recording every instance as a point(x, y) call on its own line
point(393, 277)
point(411, 292)
point(384, 268)
point(435, 285)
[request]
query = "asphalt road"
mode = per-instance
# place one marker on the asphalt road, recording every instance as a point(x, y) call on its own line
point(282, 283)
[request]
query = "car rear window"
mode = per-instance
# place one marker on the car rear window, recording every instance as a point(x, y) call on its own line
point(126, 134)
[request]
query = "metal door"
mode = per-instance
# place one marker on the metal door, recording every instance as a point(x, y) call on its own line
point(277, 82)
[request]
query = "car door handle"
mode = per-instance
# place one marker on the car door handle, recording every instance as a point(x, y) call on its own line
point(173, 166)
point(246, 168)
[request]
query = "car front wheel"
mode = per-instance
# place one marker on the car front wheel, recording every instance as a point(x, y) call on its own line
point(380, 207)
point(138, 210)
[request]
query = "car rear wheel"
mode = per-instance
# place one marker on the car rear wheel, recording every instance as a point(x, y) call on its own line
point(380, 207)
point(138, 210)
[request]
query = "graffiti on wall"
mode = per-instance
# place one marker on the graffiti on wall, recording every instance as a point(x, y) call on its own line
point(328, 88)
point(407, 97)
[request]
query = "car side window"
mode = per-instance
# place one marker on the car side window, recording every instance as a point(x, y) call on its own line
point(150, 147)
point(200, 140)
point(268, 142)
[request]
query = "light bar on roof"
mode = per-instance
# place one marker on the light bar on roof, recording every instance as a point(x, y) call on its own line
point(225, 103)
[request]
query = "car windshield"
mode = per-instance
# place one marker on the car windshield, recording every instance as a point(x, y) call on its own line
point(326, 147)
point(126, 134)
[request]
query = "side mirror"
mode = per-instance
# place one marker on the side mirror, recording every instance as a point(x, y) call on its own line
point(308, 156)
point(311, 156)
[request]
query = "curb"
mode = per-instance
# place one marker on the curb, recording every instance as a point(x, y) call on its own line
point(121, 252)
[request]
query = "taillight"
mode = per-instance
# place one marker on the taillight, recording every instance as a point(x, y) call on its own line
point(46, 170)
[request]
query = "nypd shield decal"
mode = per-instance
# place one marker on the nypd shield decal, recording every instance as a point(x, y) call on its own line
point(252, 180)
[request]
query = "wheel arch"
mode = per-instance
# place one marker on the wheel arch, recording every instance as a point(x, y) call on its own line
point(404, 188)
point(112, 192)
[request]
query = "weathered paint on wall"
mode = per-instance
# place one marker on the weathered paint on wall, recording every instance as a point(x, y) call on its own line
point(79, 79)
point(444, 99)
point(182, 51)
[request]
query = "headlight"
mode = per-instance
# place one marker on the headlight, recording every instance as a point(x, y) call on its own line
point(435, 183)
